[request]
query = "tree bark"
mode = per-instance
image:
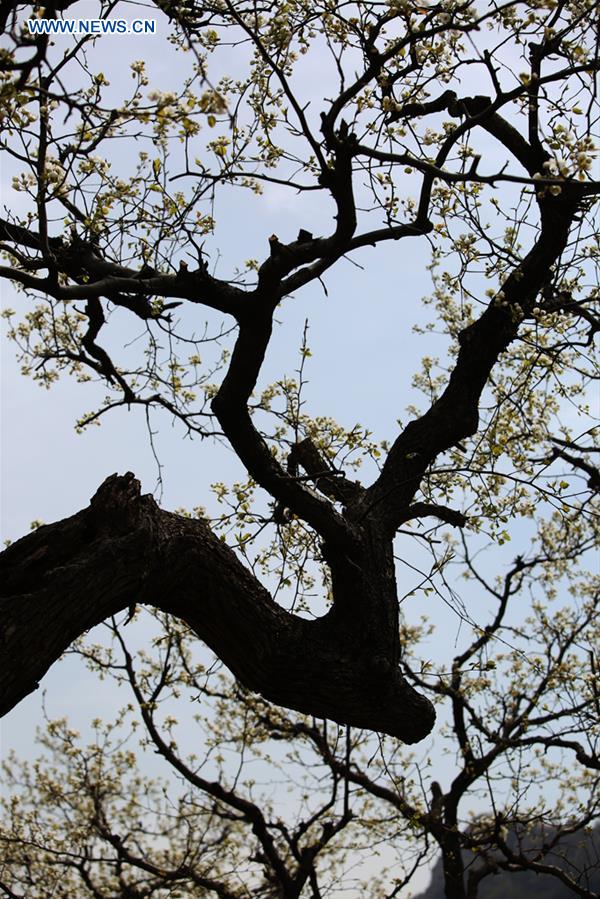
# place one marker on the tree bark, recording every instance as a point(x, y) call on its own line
point(123, 549)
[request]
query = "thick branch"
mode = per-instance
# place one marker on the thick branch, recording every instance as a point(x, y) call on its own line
point(231, 408)
point(97, 276)
point(424, 510)
point(330, 482)
point(67, 577)
point(455, 415)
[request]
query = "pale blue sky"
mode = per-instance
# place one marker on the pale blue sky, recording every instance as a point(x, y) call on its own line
point(364, 355)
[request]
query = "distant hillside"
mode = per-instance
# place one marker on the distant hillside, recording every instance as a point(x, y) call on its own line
point(577, 853)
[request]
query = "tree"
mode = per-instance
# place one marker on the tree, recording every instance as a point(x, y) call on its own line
point(575, 851)
point(501, 186)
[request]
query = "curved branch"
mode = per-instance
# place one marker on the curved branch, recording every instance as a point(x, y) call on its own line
point(230, 406)
point(67, 577)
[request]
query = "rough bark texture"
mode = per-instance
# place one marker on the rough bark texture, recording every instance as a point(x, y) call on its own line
point(67, 577)
point(63, 579)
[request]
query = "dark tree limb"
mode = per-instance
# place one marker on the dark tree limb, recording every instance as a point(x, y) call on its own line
point(332, 483)
point(80, 259)
point(230, 406)
point(577, 462)
point(455, 415)
point(67, 577)
point(444, 513)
